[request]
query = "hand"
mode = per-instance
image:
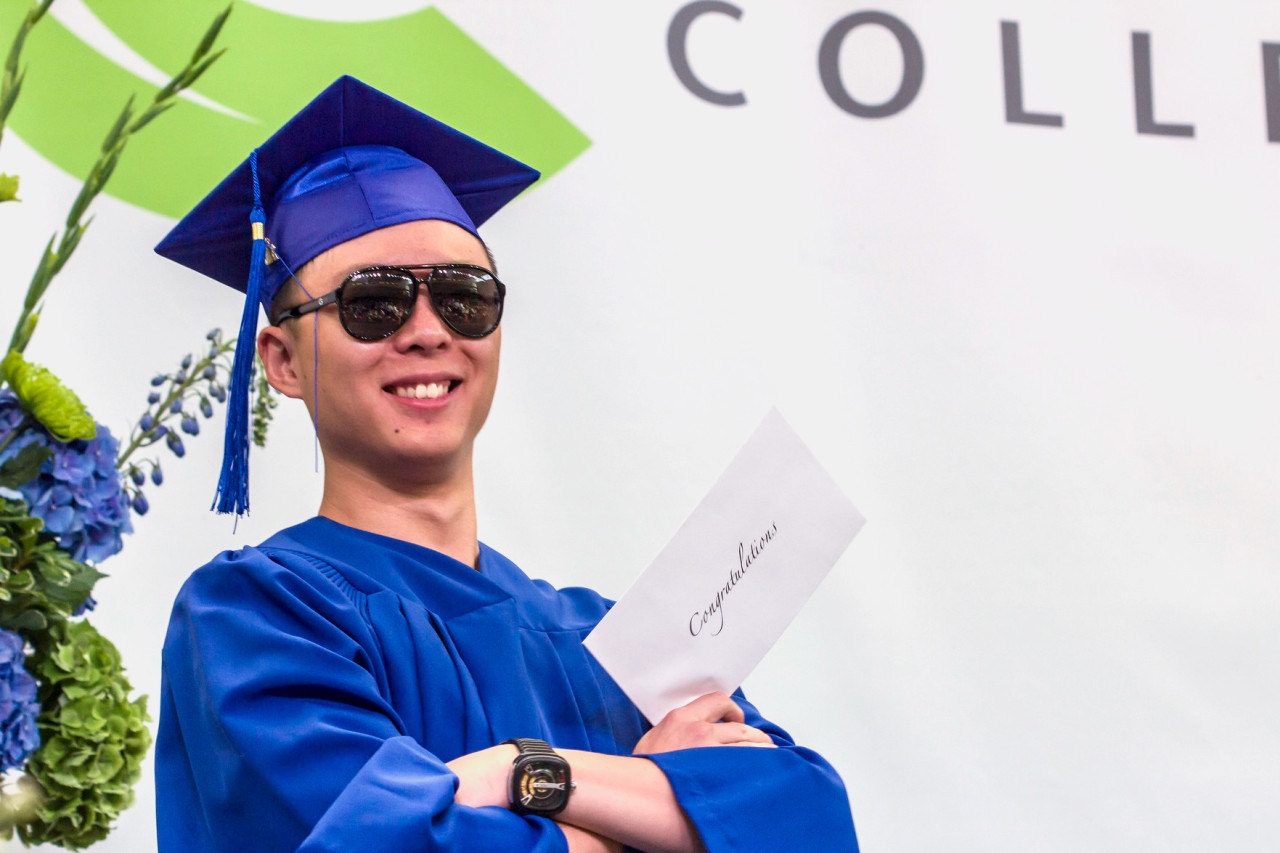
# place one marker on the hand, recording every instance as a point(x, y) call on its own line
point(484, 776)
point(710, 720)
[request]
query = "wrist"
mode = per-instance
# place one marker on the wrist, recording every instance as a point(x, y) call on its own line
point(540, 780)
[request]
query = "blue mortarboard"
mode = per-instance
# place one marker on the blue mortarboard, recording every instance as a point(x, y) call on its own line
point(352, 161)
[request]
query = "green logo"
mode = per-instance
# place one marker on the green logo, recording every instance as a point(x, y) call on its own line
point(274, 65)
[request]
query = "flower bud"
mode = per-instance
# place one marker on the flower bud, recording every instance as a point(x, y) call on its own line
point(146, 422)
point(190, 425)
point(175, 444)
point(157, 476)
point(139, 504)
point(137, 476)
point(175, 407)
point(206, 408)
point(158, 380)
point(153, 398)
point(186, 361)
point(214, 334)
point(208, 373)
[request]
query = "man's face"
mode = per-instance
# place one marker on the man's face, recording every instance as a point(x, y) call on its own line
point(372, 420)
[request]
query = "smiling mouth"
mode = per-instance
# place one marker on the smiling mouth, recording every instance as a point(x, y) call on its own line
point(424, 390)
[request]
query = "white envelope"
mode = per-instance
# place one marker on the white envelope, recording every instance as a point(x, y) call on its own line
point(733, 577)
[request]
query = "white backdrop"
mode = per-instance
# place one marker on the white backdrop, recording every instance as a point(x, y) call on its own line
point(1042, 361)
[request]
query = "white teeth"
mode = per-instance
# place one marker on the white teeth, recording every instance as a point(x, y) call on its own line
point(430, 391)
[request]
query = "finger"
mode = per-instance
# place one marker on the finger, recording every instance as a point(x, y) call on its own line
point(715, 708)
point(733, 733)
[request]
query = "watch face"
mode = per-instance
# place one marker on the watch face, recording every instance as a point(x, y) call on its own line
point(541, 784)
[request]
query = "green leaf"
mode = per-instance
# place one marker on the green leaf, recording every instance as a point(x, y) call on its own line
point(9, 187)
point(30, 620)
point(54, 405)
point(24, 467)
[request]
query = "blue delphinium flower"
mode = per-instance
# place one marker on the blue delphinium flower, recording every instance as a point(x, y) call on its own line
point(78, 493)
point(175, 444)
point(19, 736)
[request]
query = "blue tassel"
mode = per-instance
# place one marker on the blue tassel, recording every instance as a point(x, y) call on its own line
point(233, 484)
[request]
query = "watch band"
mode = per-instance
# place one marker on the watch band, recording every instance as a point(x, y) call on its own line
point(533, 746)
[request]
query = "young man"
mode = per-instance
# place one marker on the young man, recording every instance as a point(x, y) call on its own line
point(375, 678)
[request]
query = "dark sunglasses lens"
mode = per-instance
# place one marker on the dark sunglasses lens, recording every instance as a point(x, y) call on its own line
point(376, 303)
point(469, 300)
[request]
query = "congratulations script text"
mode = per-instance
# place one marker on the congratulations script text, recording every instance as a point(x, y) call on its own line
point(748, 553)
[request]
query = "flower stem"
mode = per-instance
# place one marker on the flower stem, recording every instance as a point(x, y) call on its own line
point(52, 261)
point(160, 413)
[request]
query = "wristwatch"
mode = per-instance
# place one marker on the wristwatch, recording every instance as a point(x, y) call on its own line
point(540, 779)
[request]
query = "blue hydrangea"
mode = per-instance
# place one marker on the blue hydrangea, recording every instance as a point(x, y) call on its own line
point(78, 493)
point(19, 736)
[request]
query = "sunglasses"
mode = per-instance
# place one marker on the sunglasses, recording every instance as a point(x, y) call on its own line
point(373, 303)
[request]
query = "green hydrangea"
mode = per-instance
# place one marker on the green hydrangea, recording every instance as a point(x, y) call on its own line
point(94, 737)
point(50, 402)
point(39, 582)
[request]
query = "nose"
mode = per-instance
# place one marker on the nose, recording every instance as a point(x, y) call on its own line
point(424, 329)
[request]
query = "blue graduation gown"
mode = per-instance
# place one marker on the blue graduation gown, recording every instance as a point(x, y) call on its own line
point(315, 686)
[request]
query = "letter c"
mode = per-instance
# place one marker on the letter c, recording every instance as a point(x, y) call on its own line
point(912, 65)
point(692, 620)
point(677, 51)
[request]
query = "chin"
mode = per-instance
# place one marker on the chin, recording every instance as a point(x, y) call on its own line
point(429, 460)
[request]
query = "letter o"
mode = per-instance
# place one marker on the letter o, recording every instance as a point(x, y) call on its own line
point(678, 51)
point(912, 65)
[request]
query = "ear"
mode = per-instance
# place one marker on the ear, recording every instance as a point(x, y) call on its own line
point(278, 351)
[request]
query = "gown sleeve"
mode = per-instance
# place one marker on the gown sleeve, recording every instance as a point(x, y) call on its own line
point(276, 738)
point(751, 800)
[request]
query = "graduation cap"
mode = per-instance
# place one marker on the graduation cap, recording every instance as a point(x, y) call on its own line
point(352, 161)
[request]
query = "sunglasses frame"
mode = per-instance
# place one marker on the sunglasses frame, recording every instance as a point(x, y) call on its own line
point(334, 297)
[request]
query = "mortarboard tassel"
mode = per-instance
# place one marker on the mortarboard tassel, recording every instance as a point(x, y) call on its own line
point(233, 484)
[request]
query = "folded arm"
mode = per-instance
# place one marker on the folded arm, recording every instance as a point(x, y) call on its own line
point(621, 798)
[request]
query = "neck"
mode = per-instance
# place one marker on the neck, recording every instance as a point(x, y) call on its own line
point(436, 512)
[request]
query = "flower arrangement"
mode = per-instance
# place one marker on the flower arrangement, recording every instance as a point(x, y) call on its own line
point(71, 738)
